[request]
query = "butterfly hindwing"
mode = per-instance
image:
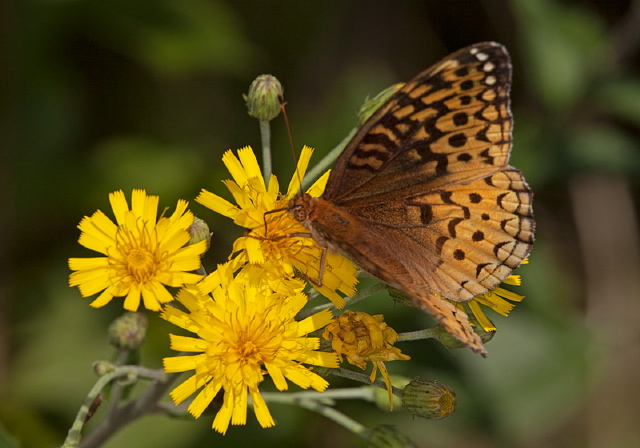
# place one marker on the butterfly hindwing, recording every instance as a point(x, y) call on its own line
point(477, 232)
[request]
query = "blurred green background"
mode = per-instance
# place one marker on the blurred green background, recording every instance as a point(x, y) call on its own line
point(121, 94)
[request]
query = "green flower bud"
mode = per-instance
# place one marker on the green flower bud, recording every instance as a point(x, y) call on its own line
point(401, 297)
point(103, 367)
point(262, 99)
point(128, 331)
point(428, 399)
point(199, 230)
point(450, 341)
point(387, 436)
point(372, 104)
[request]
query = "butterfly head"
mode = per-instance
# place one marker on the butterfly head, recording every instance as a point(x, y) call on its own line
point(301, 206)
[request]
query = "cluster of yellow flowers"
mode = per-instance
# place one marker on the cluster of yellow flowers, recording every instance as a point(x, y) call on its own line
point(245, 314)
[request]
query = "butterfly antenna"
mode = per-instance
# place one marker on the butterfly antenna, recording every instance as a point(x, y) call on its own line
point(293, 147)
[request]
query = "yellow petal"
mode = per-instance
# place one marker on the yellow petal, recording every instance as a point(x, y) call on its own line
point(203, 399)
point(318, 358)
point(235, 168)
point(319, 185)
point(217, 204)
point(314, 322)
point(301, 169)
point(223, 417)
point(187, 344)
point(102, 299)
point(118, 205)
point(251, 166)
point(261, 410)
point(276, 375)
point(132, 301)
point(482, 318)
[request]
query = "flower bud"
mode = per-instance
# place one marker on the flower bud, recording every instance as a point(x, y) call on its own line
point(128, 331)
point(373, 104)
point(103, 367)
point(262, 99)
point(362, 337)
point(450, 341)
point(400, 297)
point(428, 399)
point(199, 230)
point(387, 436)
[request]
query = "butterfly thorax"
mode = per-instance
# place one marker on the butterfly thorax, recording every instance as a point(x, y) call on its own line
point(326, 222)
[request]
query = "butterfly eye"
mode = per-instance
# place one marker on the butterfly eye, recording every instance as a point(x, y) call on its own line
point(299, 212)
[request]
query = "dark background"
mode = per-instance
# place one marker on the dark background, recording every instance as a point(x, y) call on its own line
point(106, 95)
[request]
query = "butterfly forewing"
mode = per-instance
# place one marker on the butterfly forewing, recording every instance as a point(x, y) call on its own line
point(452, 118)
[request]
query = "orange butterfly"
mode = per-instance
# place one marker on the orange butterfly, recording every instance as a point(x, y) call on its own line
point(423, 197)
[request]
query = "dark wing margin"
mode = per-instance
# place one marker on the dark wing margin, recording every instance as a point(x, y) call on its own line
point(454, 116)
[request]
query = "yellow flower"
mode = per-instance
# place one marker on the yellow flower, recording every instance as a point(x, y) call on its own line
point(497, 299)
point(362, 337)
point(276, 245)
point(142, 255)
point(243, 333)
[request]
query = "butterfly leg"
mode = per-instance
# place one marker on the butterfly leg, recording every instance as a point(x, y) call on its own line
point(316, 283)
point(248, 233)
point(323, 260)
point(264, 217)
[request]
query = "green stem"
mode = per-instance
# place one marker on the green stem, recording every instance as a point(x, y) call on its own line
point(358, 296)
point(327, 161)
point(118, 417)
point(116, 389)
point(320, 402)
point(265, 136)
point(428, 333)
point(327, 397)
point(362, 378)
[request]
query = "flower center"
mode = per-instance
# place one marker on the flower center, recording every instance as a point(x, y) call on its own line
point(447, 403)
point(248, 350)
point(141, 264)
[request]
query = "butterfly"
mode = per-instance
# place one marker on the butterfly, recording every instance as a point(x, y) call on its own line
point(423, 197)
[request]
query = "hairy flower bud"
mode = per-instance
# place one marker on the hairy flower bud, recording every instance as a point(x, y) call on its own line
point(199, 231)
point(262, 99)
point(428, 399)
point(103, 367)
point(128, 331)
